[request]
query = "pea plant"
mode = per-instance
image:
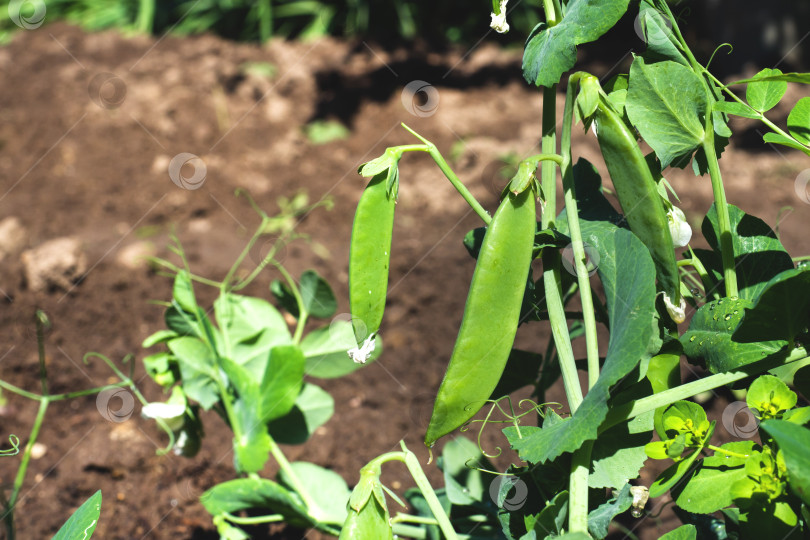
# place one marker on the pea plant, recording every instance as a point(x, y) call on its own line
point(83, 522)
point(253, 372)
point(745, 300)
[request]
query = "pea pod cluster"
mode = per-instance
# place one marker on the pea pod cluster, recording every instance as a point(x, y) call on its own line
point(370, 254)
point(638, 195)
point(491, 316)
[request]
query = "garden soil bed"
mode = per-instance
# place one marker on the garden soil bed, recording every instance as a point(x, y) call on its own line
point(76, 161)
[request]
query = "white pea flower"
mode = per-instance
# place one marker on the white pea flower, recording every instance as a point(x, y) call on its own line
point(363, 352)
point(171, 413)
point(499, 23)
point(677, 313)
point(678, 227)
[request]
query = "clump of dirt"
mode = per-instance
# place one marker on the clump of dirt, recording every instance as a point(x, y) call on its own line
point(89, 128)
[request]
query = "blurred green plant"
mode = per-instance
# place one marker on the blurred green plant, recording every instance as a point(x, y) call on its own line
point(259, 20)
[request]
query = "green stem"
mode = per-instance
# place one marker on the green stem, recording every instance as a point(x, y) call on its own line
point(285, 466)
point(427, 491)
point(572, 211)
point(146, 16)
point(408, 518)
point(578, 489)
point(726, 452)
point(270, 518)
point(265, 20)
point(303, 314)
point(627, 411)
point(551, 258)
point(721, 205)
point(41, 322)
point(448, 172)
point(23, 468)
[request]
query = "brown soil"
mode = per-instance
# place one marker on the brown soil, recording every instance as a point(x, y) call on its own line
point(76, 162)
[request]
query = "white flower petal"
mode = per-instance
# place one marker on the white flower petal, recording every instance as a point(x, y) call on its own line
point(363, 352)
point(677, 313)
point(499, 23)
point(171, 413)
point(678, 227)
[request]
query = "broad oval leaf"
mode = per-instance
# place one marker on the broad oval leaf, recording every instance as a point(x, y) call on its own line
point(317, 295)
point(665, 102)
point(82, 524)
point(551, 51)
point(313, 407)
point(765, 95)
point(628, 276)
point(197, 368)
point(782, 309)
point(328, 490)
point(245, 493)
point(798, 121)
point(684, 532)
point(282, 382)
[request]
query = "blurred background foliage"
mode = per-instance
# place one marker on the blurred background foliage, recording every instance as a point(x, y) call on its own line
point(772, 34)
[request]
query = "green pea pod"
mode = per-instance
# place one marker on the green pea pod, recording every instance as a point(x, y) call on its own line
point(638, 195)
point(491, 316)
point(370, 255)
point(370, 521)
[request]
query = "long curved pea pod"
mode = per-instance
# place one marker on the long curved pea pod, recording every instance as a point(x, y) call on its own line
point(370, 255)
point(638, 195)
point(491, 316)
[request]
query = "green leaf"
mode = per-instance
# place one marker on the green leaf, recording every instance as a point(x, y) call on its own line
point(787, 77)
point(628, 276)
point(251, 443)
point(710, 338)
point(317, 295)
point(328, 490)
point(184, 323)
point(282, 292)
point(460, 463)
point(665, 102)
point(765, 95)
point(197, 369)
point(684, 532)
point(672, 475)
point(552, 518)
point(758, 253)
point(313, 407)
point(282, 382)
point(325, 350)
point(618, 454)
point(782, 309)
point(793, 442)
point(161, 336)
point(683, 417)
point(245, 493)
point(735, 108)
point(183, 292)
point(251, 327)
point(798, 121)
point(550, 52)
point(777, 138)
point(661, 42)
point(770, 396)
point(599, 519)
point(664, 372)
point(82, 524)
point(709, 489)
